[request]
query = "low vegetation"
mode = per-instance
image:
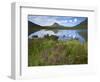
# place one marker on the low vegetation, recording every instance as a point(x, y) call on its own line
point(50, 51)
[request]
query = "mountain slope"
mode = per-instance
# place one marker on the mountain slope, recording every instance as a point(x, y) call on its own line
point(32, 27)
point(56, 25)
point(82, 25)
point(30, 24)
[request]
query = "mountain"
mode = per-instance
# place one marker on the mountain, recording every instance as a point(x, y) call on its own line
point(30, 24)
point(55, 25)
point(32, 27)
point(82, 25)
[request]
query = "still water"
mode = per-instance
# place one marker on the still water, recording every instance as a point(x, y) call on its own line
point(80, 35)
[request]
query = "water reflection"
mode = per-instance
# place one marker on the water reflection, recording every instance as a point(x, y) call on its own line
point(61, 34)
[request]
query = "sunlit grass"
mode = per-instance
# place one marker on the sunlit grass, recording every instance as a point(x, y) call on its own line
point(53, 52)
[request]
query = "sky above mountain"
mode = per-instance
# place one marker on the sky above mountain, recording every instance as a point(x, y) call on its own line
point(69, 21)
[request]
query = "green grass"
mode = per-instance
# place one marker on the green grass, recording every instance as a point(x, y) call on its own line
point(48, 51)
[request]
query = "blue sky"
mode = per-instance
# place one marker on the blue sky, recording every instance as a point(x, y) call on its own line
point(62, 20)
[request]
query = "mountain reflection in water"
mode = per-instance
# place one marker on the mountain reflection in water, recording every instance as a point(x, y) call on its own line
point(61, 34)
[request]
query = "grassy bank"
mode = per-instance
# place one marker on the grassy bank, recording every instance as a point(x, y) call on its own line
point(48, 51)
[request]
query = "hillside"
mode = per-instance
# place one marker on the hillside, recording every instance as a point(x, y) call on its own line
point(32, 27)
point(56, 25)
point(35, 27)
point(82, 25)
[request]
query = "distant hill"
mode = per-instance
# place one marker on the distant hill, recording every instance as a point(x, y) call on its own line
point(32, 26)
point(56, 25)
point(82, 25)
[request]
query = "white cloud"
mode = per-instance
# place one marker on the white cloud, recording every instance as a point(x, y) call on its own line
point(75, 20)
point(49, 20)
point(70, 21)
point(43, 20)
